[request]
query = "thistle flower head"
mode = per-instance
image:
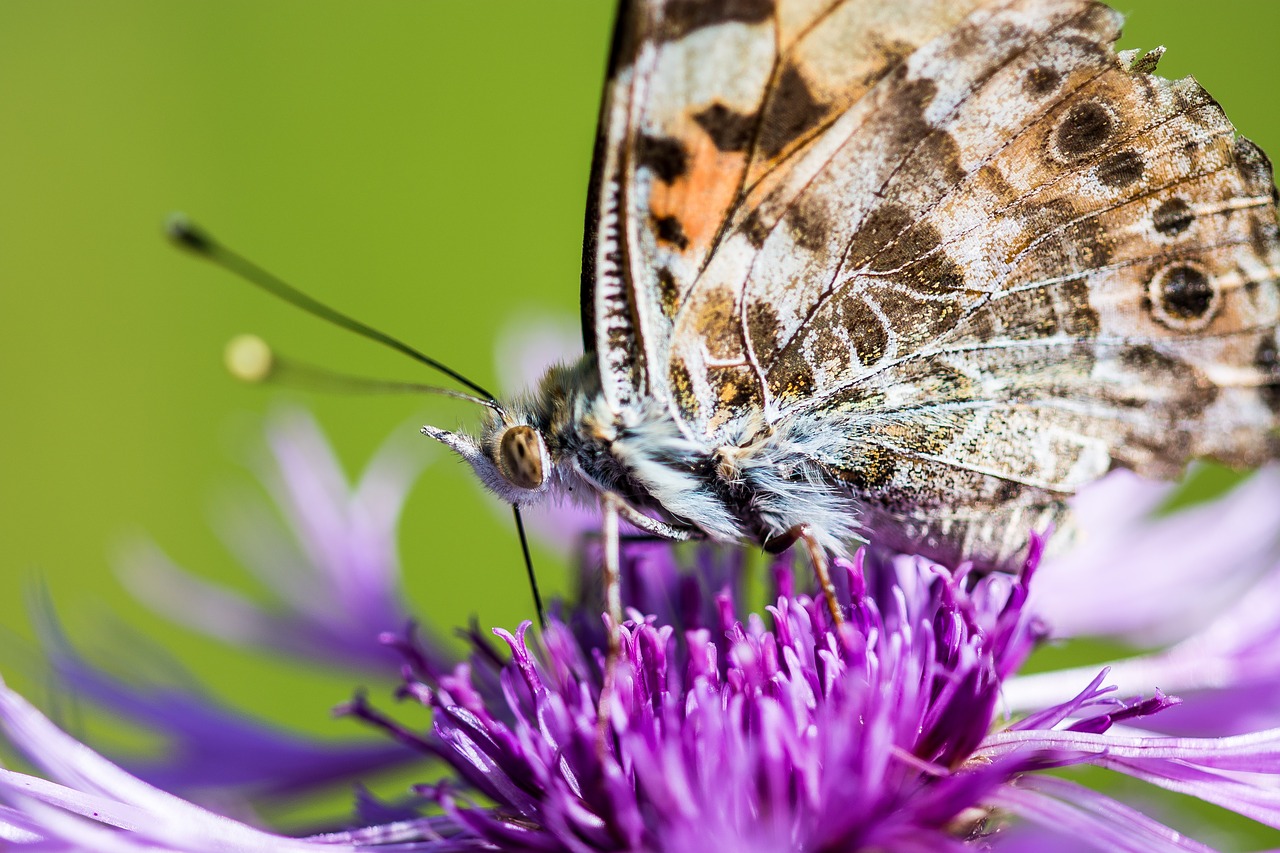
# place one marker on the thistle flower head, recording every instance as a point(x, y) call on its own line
point(729, 730)
point(723, 726)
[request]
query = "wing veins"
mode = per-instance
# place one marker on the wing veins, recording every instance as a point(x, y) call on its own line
point(976, 469)
point(833, 287)
point(1047, 343)
point(1084, 217)
point(744, 189)
point(963, 101)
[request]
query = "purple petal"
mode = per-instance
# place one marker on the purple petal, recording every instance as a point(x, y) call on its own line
point(87, 785)
point(333, 567)
point(1074, 811)
point(208, 746)
point(1239, 773)
point(1227, 674)
point(1164, 575)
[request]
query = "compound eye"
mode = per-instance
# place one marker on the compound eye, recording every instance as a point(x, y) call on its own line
point(520, 457)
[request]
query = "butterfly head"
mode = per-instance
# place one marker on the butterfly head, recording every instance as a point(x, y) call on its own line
point(510, 456)
point(521, 452)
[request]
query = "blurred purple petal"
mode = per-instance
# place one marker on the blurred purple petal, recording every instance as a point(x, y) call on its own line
point(1165, 576)
point(1227, 674)
point(1094, 820)
point(83, 784)
point(333, 568)
point(530, 344)
point(209, 748)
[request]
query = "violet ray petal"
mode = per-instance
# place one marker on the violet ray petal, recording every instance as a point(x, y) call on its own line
point(351, 544)
point(1172, 583)
point(1073, 810)
point(208, 745)
point(92, 786)
point(232, 618)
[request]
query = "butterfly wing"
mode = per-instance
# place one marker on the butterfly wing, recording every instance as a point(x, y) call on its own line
point(695, 106)
point(970, 255)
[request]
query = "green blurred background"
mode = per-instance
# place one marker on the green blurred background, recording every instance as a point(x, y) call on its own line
point(421, 165)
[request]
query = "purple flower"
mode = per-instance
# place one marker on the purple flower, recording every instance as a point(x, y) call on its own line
point(727, 730)
point(332, 567)
point(724, 730)
point(910, 729)
point(1204, 578)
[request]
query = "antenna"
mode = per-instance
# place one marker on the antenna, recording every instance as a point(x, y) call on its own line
point(251, 360)
point(528, 567)
point(192, 238)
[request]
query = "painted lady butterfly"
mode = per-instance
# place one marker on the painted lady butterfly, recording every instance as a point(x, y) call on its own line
point(910, 271)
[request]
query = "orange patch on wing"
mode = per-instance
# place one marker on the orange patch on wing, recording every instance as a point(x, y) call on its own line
point(700, 198)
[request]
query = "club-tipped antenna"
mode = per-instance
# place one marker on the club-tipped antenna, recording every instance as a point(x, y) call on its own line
point(528, 567)
point(252, 360)
point(194, 239)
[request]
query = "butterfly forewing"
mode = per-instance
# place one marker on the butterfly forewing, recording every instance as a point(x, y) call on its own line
point(968, 252)
point(700, 94)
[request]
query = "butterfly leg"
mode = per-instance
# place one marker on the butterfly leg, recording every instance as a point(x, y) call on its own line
point(822, 568)
point(817, 556)
point(613, 607)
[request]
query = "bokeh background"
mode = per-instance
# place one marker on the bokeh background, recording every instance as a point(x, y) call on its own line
point(421, 165)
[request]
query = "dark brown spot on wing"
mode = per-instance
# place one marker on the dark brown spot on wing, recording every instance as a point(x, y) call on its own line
point(936, 272)
point(792, 110)
point(990, 178)
point(1173, 217)
point(1267, 361)
point(867, 333)
point(669, 230)
point(791, 377)
point(682, 387)
point(1155, 368)
point(872, 470)
point(1041, 80)
point(665, 157)
point(681, 17)
point(809, 224)
point(754, 229)
point(916, 252)
point(714, 313)
point(1122, 169)
point(881, 226)
point(1078, 317)
point(1085, 128)
point(668, 292)
point(1185, 292)
point(936, 160)
point(762, 329)
point(737, 387)
point(729, 129)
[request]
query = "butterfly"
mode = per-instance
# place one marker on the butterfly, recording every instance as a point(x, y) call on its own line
point(909, 272)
